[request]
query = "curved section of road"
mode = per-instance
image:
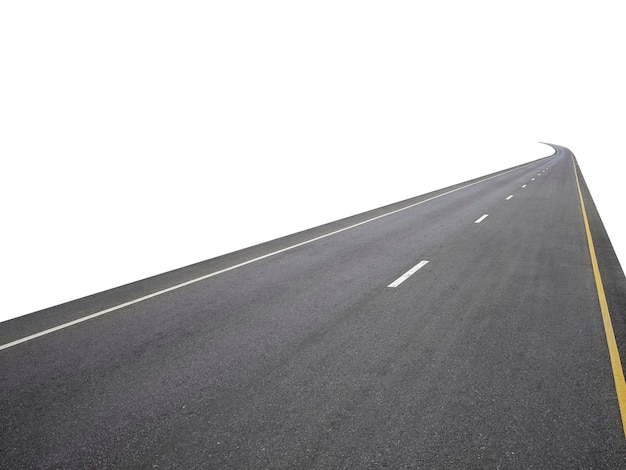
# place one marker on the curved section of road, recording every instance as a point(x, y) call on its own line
point(462, 328)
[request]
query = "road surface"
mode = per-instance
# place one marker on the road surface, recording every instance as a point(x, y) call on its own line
point(459, 329)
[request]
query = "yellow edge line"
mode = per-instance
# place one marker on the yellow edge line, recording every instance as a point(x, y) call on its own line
point(616, 363)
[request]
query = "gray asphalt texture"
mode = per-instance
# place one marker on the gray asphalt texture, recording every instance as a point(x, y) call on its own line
point(493, 355)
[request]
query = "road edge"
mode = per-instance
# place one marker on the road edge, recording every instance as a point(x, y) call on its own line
point(611, 263)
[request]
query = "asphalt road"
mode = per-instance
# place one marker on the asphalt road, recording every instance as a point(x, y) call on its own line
point(297, 353)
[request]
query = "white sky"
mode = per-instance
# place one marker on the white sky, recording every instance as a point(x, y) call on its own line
point(141, 136)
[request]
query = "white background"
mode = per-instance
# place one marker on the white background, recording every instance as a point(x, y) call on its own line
point(141, 136)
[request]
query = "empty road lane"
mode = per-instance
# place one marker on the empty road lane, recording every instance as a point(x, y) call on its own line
point(478, 326)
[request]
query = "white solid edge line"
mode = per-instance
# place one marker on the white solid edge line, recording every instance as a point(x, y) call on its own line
point(221, 271)
point(408, 274)
point(482, 218)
